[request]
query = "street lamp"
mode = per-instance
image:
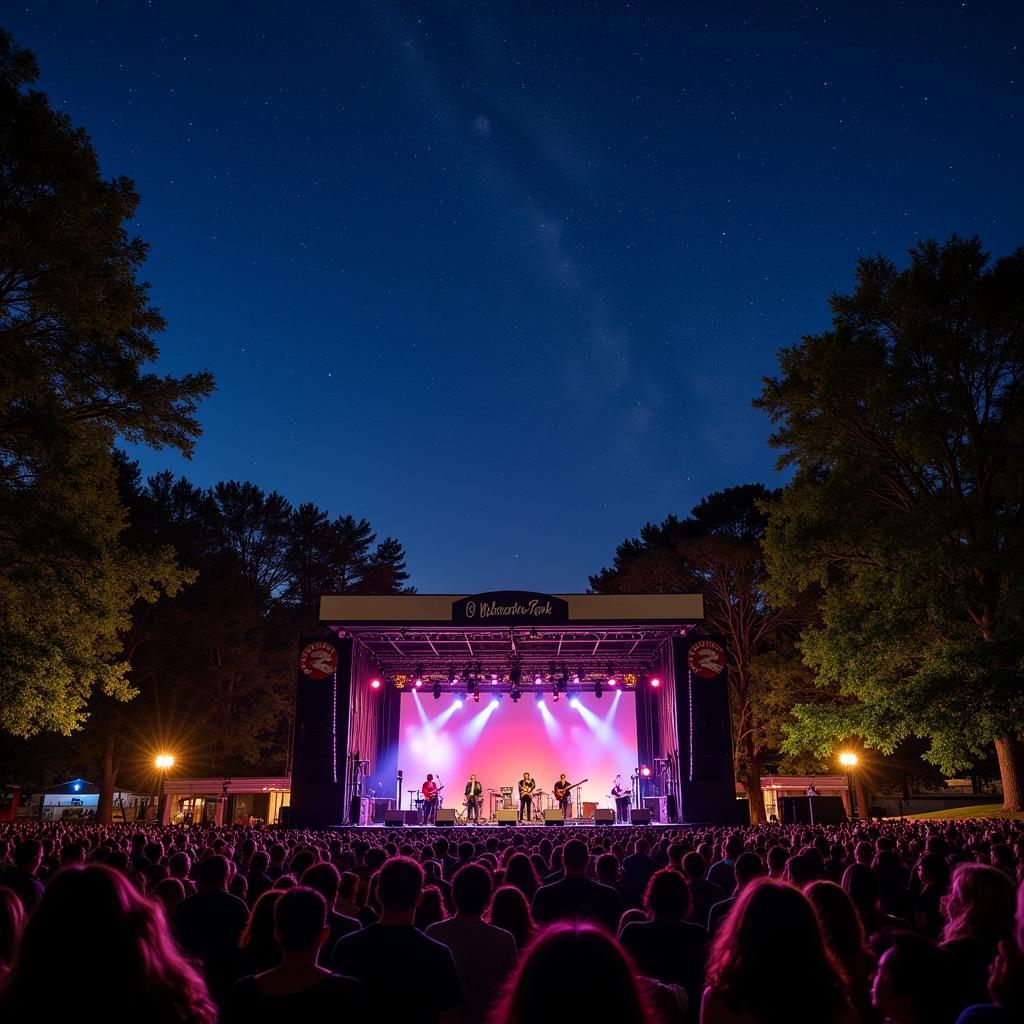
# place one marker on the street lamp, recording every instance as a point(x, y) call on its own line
point(164, 763)
point(848, 760)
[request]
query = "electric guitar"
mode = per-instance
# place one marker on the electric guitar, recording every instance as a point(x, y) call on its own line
point(561, 792)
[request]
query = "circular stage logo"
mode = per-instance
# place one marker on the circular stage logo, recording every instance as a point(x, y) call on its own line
point(318, 660)
point(706, 659)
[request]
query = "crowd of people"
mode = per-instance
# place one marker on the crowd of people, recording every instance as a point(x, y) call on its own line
point(902, 921)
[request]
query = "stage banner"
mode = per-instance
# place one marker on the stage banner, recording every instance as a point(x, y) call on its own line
point(320, 738)
point(510, 608)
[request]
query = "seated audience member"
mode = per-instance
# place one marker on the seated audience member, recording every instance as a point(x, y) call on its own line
point(704, 894)
point(297, 989)
point(371, 954)
point(637, 869)
point(432, 908)
point(210, 923)
point(845, 937)
point(483, 953)
point(509, 910)
point(256, 876)
point(179, 865)
point(771, 928)
point(723, 872)
point(326, 880)
point(169, 892)
point(93, 923)
point(748, 867)
point(917, 982)
point(576, 896)
point(521, 873)
point(979, 911)
point(258, 948)
point(12, 918)
point(861, 884)
point(668, 948)
point(22, 876)
point(544, 987)
point(933, 876)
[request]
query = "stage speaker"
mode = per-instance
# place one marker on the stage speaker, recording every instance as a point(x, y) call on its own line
point(412, 817)
point(506, 816)
point(394, 819)
point(604, 816)
point(640, 816)
point(445, 816)
point(554, 816)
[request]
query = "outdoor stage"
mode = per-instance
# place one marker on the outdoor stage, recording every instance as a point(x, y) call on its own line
point(598, 687)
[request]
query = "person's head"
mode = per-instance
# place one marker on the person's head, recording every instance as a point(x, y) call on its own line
point(259, 929)
point(933, 869)
point(575, 856)
point(325, 879)
point(471, 890)
point(748, 867)
point(561, 778)
point(526, 776)
point(170, 892)
point(668, 896)
point(862, 885)
point(843, 929)
point(12, 917)
point(28, 855)
point(694, 866)
point(399, 884)
point(71, 854)
point(300, 921)
point(510, 910)
point(213, 872)
point(771, 927)
point(917, 982)
point(92, 922)
point(430, 778)
point(979, 905)
point(537, 990)
point(607, 869)
point(733, 846)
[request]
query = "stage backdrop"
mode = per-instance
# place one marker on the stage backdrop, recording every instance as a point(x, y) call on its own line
point(499, 740)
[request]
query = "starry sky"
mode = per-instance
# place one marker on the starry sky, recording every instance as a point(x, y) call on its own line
point(504, 278)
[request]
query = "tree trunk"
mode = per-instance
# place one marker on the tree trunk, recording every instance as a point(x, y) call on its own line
point(108, 780)
point(1010, 752)
point(755, 796)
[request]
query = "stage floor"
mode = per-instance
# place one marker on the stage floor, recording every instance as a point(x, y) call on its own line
point(583, 823)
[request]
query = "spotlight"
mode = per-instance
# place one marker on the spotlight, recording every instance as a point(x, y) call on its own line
point(554, 697)
point(476, 694)
point(645, 772)
point(419, 683)
point(494, 679)
point(655, 682)
point(611, 681)
point(458, 703)
point(538, 679)
point(374, 684)
point(574, 703)
point(437, 691)
point(77, 787)
point(419, 673)
point(611, 676)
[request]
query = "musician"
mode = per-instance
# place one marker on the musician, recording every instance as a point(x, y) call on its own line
point(429, 790)
point(563, 794)
point(474, 794)
point(622, 799)
point(526, 787)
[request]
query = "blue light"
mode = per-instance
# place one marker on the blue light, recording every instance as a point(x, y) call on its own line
point(77, 786)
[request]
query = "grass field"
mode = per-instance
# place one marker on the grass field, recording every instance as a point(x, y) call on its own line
point(979, 811)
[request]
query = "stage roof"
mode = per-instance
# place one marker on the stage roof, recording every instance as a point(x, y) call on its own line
point(450, 635)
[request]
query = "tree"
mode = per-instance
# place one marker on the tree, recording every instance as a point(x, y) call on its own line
point(76, 334)
point(717, 551)
point(905, 426)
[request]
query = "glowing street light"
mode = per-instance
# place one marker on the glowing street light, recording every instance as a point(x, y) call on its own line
point(848, 760)
point(164, 761)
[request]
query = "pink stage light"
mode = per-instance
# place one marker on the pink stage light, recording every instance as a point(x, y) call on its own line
point(419, 682)
point(537, 679)
point(374, 684)
point(611, 680)
point(655, 682)
point(645, 772)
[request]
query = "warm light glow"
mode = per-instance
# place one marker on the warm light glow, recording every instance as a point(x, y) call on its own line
point(655, 682)
point(374, 684)
point(164, 761)
point(645, 772)
point(848, 760)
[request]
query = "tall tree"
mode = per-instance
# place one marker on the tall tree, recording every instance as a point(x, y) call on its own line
point(905, 426)
point(717, 551)
point(76, 335)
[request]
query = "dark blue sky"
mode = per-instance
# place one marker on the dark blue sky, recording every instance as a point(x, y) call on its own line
point(504, 278)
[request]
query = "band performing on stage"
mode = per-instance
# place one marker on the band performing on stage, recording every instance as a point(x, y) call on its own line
point(531, 808)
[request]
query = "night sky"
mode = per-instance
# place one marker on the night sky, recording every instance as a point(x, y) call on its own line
point(503, 278)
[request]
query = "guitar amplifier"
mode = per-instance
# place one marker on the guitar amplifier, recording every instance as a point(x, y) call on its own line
point(445, 816)
point(589, 807)
point(506, 816)
point(656, 805)
point(604, 816)
point(640, 817)
point(394, 819)
point(554, 816)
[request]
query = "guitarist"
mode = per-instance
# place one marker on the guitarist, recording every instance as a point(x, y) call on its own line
point(526, 788)
point(474, 794)
point(563, 794)
point(430, 792)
